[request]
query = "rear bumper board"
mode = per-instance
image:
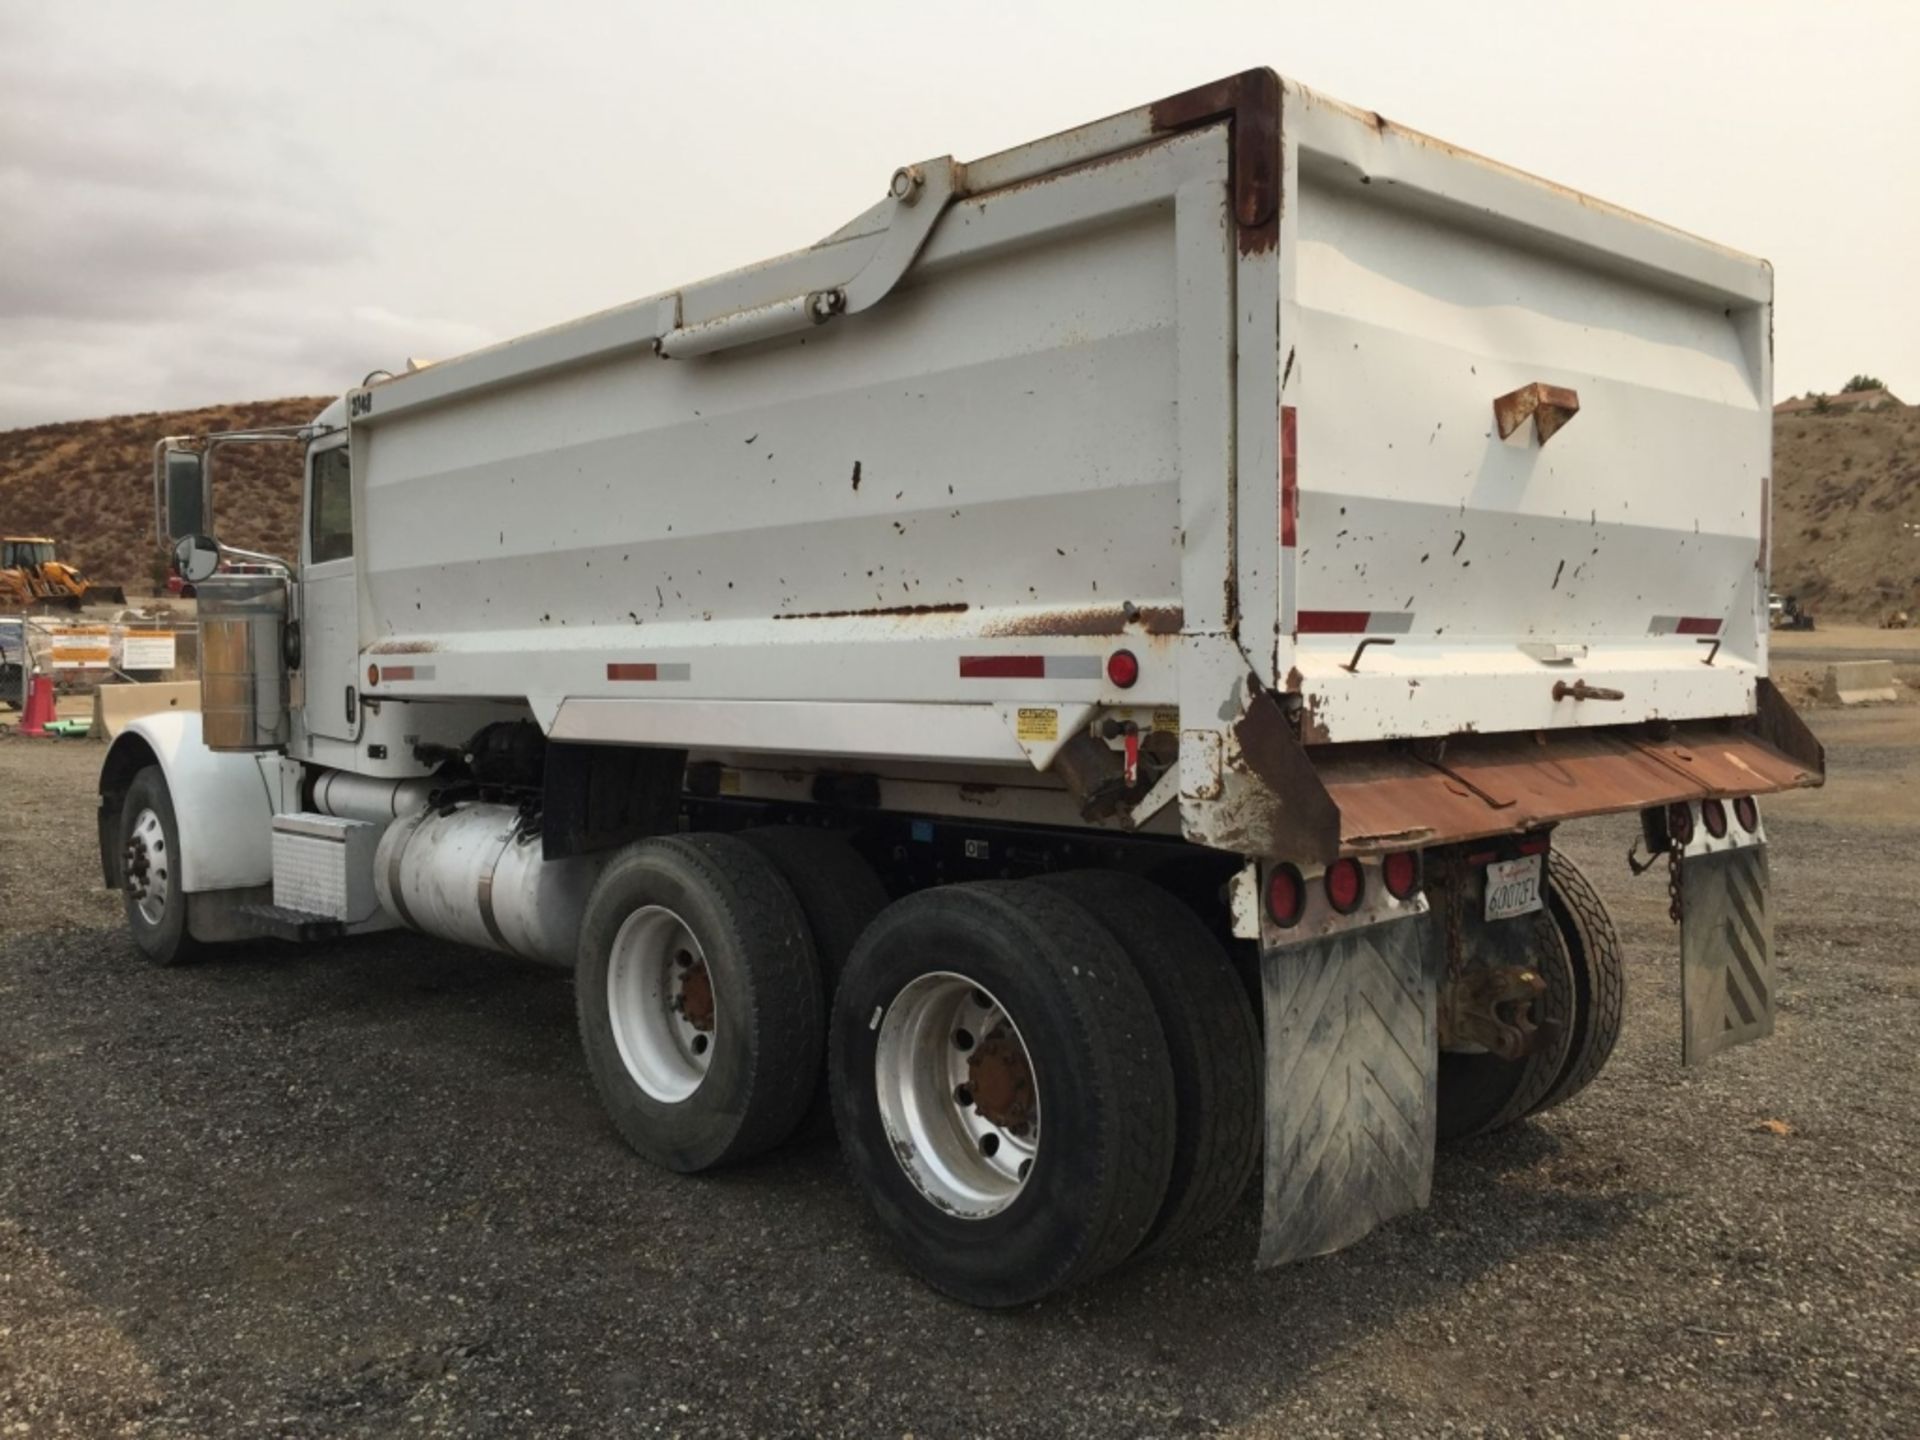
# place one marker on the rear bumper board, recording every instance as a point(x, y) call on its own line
point(1471, 786)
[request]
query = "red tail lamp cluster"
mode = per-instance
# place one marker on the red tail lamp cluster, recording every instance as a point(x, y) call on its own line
point(1713, 816)
point(1345, 886)
point(1123, 669)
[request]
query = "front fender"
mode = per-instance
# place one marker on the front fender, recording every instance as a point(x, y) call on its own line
point(223, 802)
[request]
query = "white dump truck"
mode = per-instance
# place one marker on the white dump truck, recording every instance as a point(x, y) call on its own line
point(1072, 679)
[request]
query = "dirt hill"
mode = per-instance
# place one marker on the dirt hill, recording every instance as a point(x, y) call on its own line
point(1846, 534)
point(1846, 512)
point(89, 484)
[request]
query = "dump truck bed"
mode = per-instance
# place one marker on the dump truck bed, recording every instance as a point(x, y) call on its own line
point(1221, 382)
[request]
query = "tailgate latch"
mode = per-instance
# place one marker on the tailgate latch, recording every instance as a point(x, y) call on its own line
point(1551, 406)
point(1580, 690)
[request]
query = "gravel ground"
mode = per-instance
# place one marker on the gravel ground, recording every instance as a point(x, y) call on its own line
point(366, 1190)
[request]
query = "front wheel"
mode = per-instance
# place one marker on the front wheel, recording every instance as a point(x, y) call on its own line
point(1002, 1090)
point(150, 871)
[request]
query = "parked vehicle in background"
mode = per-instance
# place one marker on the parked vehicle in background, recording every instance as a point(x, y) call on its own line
point(33, 578)
point(13, 661)
point(934, 678)
point(1784, 613)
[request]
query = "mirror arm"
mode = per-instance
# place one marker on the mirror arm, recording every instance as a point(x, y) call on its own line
point(257, 558)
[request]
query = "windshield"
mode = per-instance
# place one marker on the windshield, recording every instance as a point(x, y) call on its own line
point(25, 553)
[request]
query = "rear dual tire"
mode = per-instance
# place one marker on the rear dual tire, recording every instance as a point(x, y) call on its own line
point(1213, 1045)
point(1032, 1081)
point(1579, 956)
point(840, 895)
point(1073, 1077)
point(699, 999)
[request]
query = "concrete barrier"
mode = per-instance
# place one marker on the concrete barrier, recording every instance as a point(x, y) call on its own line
point(1859, 682)
point(115, 705)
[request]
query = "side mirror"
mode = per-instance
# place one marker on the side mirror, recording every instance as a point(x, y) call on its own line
point(197, 557)
point(182, 492)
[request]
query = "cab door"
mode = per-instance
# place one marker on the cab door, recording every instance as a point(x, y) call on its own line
point(329, 595)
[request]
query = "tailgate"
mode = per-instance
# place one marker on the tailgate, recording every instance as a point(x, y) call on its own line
point(1623, 555)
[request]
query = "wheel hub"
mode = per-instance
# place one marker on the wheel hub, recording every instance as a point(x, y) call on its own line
point(146, 870)
point(695, 998)
point(1001, 1080)
point(660, 999)
point(958, 1095)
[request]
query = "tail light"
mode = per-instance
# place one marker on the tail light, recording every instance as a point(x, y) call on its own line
point(1747, 811)
point(1714, 814)
point(1680, 824)
point(1286, 895)
point(1346, 884)
point(1123, 669)
point(1401, 873)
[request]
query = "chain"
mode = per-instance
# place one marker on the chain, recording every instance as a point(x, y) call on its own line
point(1673, 883)
point(1452, 902)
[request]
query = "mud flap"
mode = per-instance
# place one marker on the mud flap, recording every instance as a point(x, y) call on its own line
point(1352, 1057)
point(1726, 951)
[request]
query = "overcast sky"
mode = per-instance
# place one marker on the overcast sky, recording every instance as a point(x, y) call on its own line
point(204, 202)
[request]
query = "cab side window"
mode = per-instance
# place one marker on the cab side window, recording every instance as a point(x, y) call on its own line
point(330, 507)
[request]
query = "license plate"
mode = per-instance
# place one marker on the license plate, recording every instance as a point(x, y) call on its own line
point(1513, 887)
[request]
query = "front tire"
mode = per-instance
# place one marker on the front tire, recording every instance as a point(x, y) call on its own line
point(150, 875)
point(699, 1001)
point(1002, 1090)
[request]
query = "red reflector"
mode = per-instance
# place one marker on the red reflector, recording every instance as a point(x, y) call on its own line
point(633, 671)
point(1003, 667)
point(1286, 895)
point(1680, 823)
point(1346, 883)
point(1535, 845)
point(1697, 625)
point(1715, 814)
point(1401, 872)
point(373, 676)
point(1481, 857)
point(1747, 811)
point(1123, 668)
point(1332, 622)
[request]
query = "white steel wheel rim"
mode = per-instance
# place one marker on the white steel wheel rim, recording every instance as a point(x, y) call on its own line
point(149, 868)
point(664, 1025)
point(969, 1154)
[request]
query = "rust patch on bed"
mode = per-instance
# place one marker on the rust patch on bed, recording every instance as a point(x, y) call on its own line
point(1250, 104)
point(405, 647)
point(1121, 619)
point(891, 612)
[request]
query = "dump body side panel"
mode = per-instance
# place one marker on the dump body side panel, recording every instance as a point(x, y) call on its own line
point(989, 464)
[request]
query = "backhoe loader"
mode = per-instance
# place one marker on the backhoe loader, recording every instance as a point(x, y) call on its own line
point(32, 579)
